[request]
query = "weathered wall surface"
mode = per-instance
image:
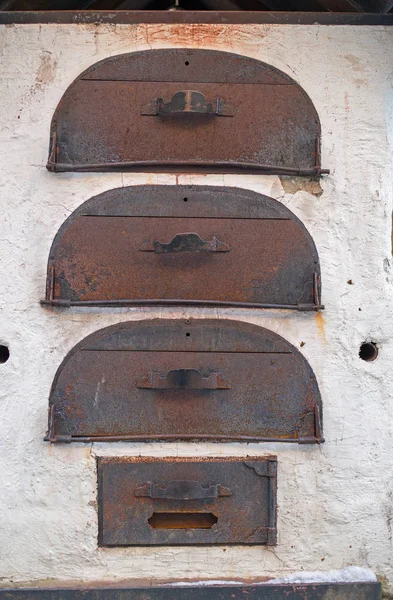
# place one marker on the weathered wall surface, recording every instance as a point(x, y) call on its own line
point(335, 502)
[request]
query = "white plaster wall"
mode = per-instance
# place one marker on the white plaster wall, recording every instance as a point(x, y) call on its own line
point(334, 501)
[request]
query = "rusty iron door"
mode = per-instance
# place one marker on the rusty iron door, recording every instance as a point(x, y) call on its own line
point(194, 245)
point(180, 501)
point(187, 108)
point(200, 380)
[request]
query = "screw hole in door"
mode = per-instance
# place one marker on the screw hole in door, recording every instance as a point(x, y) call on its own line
point(186, 63)
point(188, 334)
point(185, 199)
point(4, 354)
point(368, 351)
point(172, 520)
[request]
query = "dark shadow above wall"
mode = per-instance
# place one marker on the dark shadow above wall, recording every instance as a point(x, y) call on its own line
point(206, 17)
point(302, 6)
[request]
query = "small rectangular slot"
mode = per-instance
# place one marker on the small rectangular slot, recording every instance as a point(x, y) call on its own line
point(182, 520)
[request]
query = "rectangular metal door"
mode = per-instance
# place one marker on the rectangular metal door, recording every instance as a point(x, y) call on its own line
point(179, 501)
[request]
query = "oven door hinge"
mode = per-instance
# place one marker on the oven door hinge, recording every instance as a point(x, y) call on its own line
point(311, 429)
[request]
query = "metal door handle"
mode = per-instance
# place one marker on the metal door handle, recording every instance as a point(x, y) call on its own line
point(183, 379)
point(181, 490)
point(187, 102)
point(185, 242)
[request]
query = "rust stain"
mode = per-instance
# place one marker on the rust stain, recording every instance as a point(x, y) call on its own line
point(355, 62)
point(87, 456)
point(346, 102)
point(320, 321)
point(44, 76)
point(46, 70)
point(360, 82)
point(203, 34)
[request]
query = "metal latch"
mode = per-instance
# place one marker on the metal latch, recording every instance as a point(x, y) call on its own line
point(188, 102)
point(185, 379)
point(185, 242)
point(182, 490)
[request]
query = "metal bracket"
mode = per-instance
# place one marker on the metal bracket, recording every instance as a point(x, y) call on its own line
point(164, 165)
point(311, 430)
point(316, 297)
point(52, 160)
point(188, 102)
point(51, 436)
point(267, 469)
point(308, 307)
point(185, 242)
point(271, 536)
point(185, 379)
point(182, 490)
point(50, 283)
point(50, 300)
point(62, 303)
point(61, 439)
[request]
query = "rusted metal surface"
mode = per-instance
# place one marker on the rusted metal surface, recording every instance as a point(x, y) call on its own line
point(196, 380)
point(303, 591)
point(183, 245)
point(180, 501)
point(161, 109)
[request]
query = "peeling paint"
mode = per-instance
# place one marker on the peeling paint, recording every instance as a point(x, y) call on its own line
point(46, 69)
point(292, 185)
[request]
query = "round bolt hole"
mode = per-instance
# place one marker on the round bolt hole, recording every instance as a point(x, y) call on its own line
point(186, 63)
point(4, 354)
point(188, 334)
point(368, 351)
point(185, 199)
